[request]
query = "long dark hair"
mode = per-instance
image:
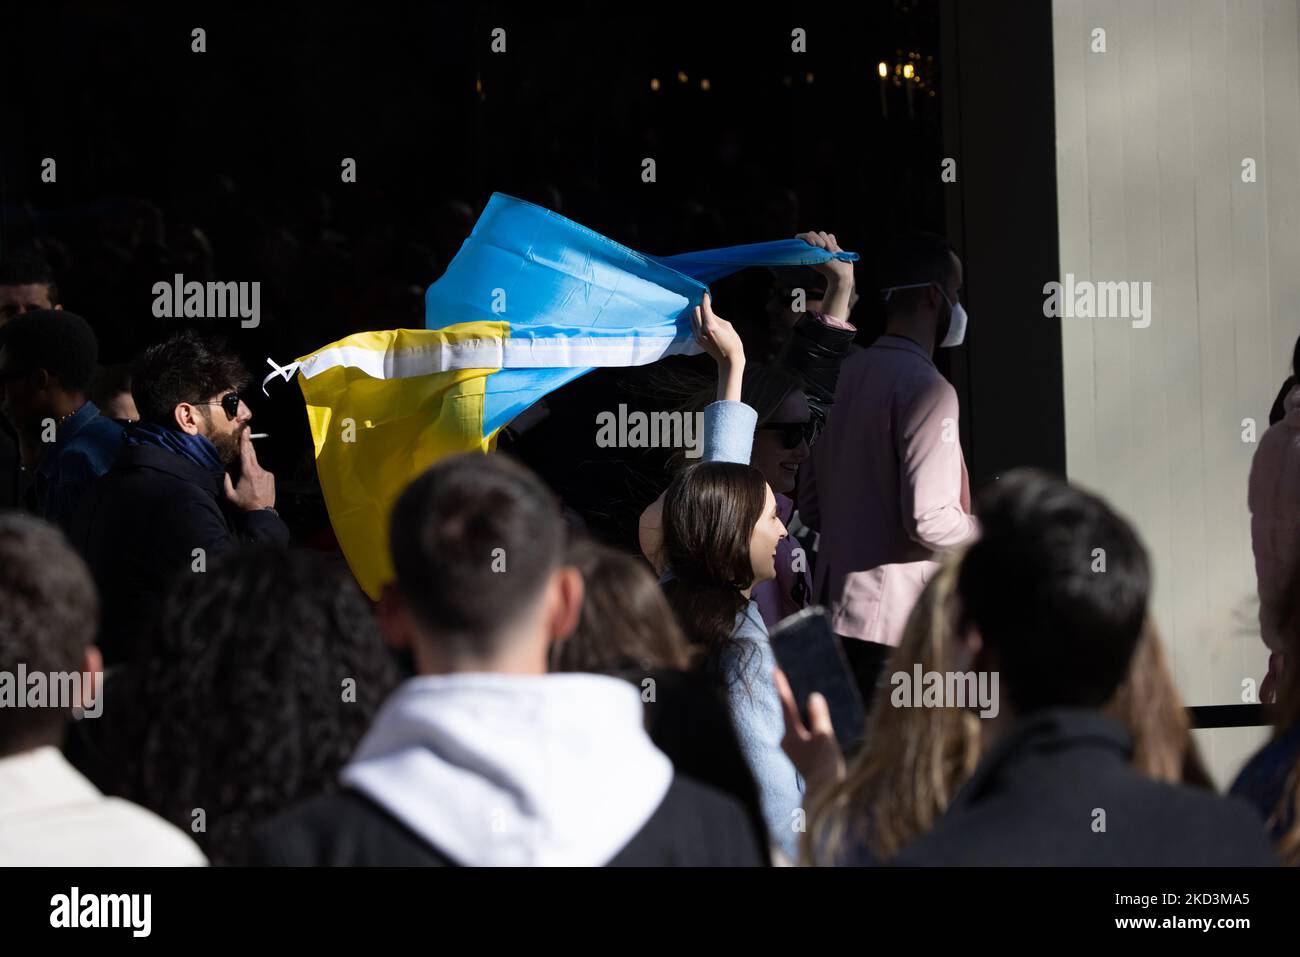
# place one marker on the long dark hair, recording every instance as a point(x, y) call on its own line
point(710, 511)
point(626, 623)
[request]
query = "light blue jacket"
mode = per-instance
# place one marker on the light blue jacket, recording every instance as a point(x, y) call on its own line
point(751, 695)
point(756, 714)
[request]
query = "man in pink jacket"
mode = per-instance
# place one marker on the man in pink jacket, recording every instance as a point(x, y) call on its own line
point(886, 484)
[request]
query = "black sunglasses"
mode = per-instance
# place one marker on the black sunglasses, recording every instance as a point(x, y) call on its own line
point(792, 433)
point(229, 404)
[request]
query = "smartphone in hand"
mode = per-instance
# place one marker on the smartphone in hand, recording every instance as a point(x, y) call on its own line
point(809, 653)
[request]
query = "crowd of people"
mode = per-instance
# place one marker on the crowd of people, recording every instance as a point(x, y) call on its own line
point(523, 693)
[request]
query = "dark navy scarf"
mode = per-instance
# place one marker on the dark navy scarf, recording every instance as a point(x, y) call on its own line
point(196, 448)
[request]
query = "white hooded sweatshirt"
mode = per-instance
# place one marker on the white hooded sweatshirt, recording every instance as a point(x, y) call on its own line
point(511, 770)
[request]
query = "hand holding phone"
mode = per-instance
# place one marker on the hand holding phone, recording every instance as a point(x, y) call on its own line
point(811, 746)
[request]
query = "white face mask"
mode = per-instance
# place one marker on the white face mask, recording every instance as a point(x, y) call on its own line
point(956, 327)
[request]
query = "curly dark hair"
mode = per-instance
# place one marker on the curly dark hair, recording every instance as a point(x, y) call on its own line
point(267, 670)
point(186, 368)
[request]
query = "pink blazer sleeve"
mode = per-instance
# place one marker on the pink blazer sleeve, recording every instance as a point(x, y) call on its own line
point(932, 479)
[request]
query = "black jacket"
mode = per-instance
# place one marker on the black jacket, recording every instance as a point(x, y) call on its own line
point(694, 826)
point(138, 526)
point(1038, 798)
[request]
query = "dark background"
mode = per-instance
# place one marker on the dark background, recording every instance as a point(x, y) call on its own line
point(226, 165)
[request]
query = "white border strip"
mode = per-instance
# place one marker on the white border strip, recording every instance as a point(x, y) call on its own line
point(559, 352)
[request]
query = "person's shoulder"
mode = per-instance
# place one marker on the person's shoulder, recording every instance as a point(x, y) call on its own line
point(342, 828)
point(146, 838)
point(1262, 778)
point(695, 825)
point(1219, 830)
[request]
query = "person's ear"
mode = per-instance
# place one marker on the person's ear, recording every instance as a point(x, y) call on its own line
point(935, 293)
point(394, 619)
point(92, 663)
point(187, 418)
point(566, 606)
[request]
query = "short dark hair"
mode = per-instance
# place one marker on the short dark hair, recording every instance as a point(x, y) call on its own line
point(914, 257)
point(60, 342)
point(27, 268)
point(186, 368)
point(109, 382)
point(1057, 584)
point(49, 610)
point(473, 540)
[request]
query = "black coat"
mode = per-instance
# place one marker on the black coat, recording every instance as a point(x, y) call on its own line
point(694, 826)
point(138, 526)
point(1034, 800)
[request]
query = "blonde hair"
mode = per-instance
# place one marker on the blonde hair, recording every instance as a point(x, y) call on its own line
point(913, 760)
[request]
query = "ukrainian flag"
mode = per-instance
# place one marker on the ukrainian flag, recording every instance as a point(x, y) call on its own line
point(531, 301)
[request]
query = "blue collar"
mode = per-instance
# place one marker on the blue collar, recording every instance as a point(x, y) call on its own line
point(63, 434)
point(195, 448)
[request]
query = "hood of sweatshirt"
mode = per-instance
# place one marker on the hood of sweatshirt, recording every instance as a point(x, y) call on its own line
point(510, 770)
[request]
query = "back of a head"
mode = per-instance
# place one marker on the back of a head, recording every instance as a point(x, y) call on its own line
point(914, 759)
point(48, 614)
point(284, 651)
point(626, 624)
point(60, 342)
point(912, 258)
point(1057, 586)
point(474, 540)
point(29, 268)
point(185, 368)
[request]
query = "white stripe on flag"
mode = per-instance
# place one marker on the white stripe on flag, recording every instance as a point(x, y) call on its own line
point(555, 353)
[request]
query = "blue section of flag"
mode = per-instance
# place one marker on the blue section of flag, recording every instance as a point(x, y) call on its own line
point(553, 279)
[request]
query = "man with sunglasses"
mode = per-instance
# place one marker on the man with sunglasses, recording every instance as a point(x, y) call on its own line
point(169, 505)
point(47, 359)
point(886, 484)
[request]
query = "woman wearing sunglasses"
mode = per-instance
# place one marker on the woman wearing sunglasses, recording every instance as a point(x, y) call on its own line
point(777, 446)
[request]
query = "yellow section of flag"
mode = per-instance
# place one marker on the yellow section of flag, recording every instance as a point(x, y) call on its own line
point(382, 411)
